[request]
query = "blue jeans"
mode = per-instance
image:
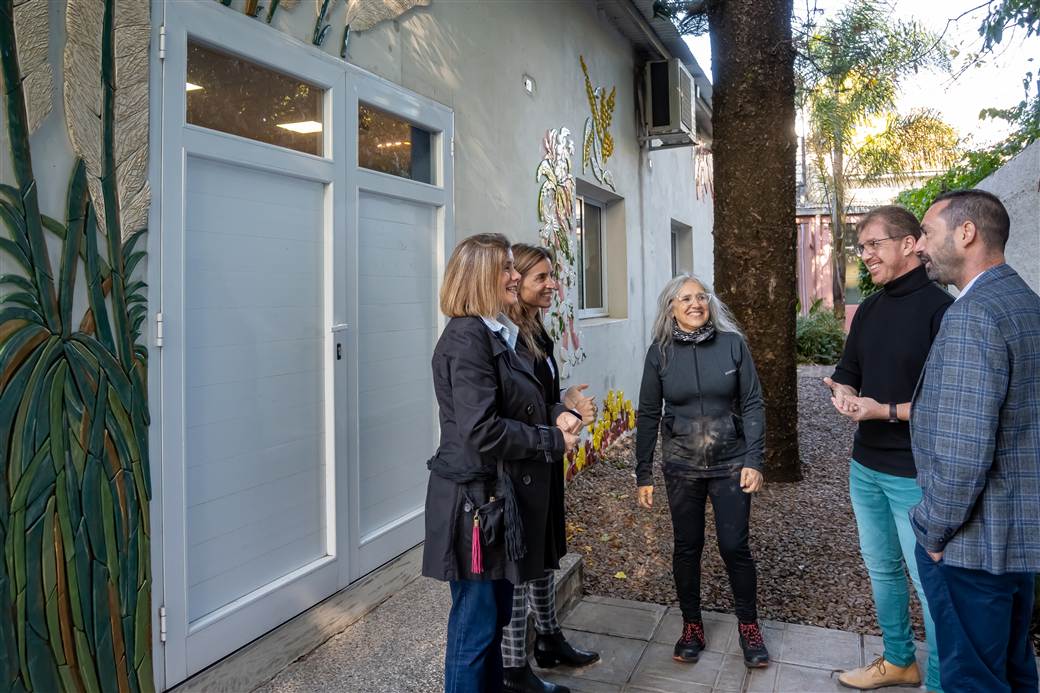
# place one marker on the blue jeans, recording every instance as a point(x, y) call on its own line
point(983, 620)
point(882, 505)
point(473, 654)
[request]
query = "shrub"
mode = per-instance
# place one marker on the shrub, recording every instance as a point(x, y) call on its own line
point(820, 336)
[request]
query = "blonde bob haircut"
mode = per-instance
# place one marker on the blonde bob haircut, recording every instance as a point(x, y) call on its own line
point(473, 275)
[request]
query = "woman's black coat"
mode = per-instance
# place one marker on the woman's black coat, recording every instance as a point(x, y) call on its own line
point(556, 542)
point(492, 408)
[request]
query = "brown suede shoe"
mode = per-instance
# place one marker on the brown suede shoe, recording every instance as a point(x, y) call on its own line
point(880, 673)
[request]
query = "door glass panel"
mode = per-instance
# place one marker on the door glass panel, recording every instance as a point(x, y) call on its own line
point(391, 145)
point(234, 95)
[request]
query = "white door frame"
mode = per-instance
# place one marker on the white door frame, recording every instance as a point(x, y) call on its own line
point(190, 647)
point(350, 555)
point(370, 551)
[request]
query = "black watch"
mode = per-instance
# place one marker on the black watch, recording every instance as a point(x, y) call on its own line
point(893, 414)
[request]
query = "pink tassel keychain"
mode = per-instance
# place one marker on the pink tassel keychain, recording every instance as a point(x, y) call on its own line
point(476, 563)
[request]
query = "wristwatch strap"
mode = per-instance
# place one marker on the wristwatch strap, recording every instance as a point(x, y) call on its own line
point(893, 413)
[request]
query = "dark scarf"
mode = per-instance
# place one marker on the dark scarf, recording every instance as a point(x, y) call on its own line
point(701, 334)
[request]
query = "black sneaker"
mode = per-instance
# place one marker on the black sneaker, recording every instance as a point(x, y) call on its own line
point(691, 643)
point(754, 646)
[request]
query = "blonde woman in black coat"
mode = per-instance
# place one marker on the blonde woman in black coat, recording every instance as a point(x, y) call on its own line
point(487, 499)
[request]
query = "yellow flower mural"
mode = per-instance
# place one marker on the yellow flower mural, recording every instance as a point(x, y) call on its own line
point(599, 143)
point(616, 421)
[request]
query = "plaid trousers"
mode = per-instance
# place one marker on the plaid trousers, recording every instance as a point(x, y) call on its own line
point(540, 595)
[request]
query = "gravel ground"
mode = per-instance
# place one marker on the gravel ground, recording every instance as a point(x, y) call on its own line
point(803, 535)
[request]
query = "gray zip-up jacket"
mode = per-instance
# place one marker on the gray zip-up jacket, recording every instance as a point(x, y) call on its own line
point(714, 418)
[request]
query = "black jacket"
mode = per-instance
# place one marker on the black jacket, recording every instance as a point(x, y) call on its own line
point(492, 408)
point(714, 418)
point(891, 334)
point(556, 540)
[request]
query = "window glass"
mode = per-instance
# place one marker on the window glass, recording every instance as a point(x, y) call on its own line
point(391, 145)
point(233, 95)
point(590, 255)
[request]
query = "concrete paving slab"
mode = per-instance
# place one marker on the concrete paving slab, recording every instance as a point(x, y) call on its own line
point(822, 648)
point(733, 674)
point(718, 630)
point(579, 685)
point(618, 658)
point(658, 671)
point(626, 620)
point(630, 603)
point(762, 680)
point(792, 678)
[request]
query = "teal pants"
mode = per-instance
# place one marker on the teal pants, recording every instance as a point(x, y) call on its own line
point(882, 505)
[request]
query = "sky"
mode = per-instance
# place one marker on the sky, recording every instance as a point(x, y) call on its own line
point(995, 83)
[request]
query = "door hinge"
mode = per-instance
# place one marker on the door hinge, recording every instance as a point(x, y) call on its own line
point(453, 147)
point(158, 330)
point(162, 623)
point(162, 42)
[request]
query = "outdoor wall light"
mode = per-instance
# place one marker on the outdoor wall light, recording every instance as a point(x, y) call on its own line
point(305, 127)
point(188, 86)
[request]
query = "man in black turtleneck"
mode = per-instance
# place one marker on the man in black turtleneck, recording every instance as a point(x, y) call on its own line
point(873, 384)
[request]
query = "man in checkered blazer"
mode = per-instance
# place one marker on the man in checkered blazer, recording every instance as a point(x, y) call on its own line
point(975, 430)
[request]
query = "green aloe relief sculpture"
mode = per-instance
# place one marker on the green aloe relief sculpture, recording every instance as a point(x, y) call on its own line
point(74, 486)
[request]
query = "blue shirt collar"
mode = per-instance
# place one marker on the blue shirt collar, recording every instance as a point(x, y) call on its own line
point(505, 327)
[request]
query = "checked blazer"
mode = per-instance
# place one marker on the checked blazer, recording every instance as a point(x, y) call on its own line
point(975, 430)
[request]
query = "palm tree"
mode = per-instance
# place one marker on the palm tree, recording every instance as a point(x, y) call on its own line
point(849, 72)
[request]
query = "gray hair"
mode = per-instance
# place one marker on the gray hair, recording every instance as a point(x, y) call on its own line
point(719, 314)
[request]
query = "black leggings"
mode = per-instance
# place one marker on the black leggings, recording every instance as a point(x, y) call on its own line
point(686, 499)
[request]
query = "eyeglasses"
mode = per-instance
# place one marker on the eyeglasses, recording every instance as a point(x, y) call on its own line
point(695, 298)
point(873, 245)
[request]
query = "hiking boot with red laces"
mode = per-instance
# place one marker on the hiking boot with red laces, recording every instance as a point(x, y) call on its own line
point(691, 643)
point(754, 646)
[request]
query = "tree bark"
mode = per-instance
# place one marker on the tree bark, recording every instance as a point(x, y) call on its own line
point(754, 152)
point(838, 230)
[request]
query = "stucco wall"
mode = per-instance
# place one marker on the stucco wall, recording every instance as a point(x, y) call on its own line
point(472, 56)
point(1017, 184)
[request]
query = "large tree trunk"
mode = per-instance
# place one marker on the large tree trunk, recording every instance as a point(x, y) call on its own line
point(755, 234)
point(838, 229)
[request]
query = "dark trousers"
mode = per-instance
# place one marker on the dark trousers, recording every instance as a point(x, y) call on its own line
point(981, 627)
point(473, 654)
point(687, 499)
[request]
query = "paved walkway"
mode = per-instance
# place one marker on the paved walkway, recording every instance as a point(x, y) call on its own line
point(635, 640)
point(399, 648)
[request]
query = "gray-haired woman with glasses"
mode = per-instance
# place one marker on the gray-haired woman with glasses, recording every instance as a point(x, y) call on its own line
point(713, 430)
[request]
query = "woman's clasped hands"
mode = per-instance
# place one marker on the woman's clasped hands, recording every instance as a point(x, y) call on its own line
point(571, 427)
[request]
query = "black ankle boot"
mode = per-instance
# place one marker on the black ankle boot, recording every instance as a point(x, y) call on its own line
point(691, 643)
point(523, 680)
point(553, 649)
point(754, 646)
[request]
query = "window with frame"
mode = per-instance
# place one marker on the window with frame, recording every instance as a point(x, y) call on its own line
point(592, 299)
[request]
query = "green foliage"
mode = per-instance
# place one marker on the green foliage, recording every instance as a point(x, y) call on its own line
point(820, 335)
point(975, 166)
point(849, 72)
point(866, 284)
point(1022, 14)
point(74, 480)
point(689, 18)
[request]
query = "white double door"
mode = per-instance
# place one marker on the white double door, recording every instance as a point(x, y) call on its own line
point(298, 301)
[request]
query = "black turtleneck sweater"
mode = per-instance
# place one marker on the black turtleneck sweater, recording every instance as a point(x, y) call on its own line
point(888, 343)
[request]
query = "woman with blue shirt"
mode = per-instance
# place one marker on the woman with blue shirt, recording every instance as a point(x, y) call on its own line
point(488, 492)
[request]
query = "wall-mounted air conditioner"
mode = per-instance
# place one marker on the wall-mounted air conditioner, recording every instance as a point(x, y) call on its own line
point(669, 104)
